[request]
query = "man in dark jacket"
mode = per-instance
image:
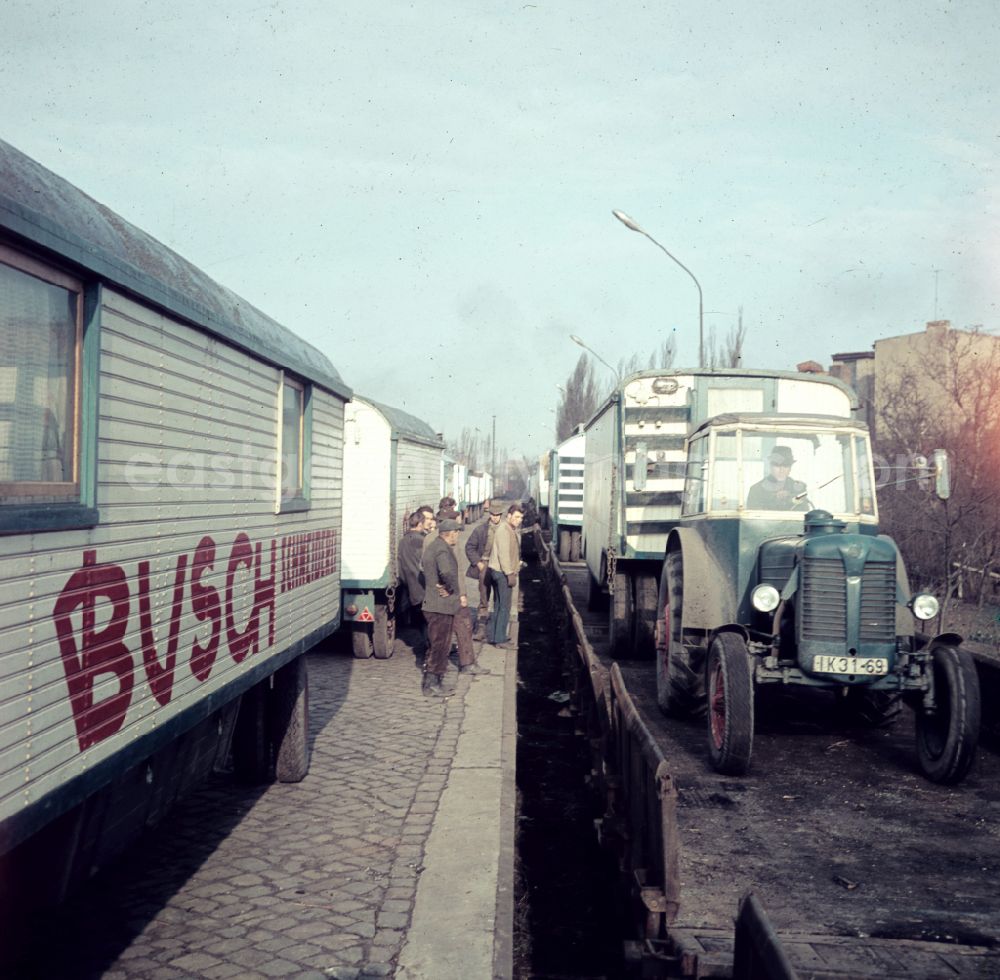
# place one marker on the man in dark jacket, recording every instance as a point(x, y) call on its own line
point(778, 491)
point(442, 601)
point(411, 578)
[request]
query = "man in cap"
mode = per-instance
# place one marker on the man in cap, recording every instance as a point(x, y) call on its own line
point(464, 620)
point(442, 601)
point(478, 548)
point(778, 491)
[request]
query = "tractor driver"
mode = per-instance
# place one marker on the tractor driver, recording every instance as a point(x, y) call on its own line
point(778, 491)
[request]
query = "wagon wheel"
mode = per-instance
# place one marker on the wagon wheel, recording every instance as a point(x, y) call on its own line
point(383, 631)
point(680, 685)
point(646, 595)
point(564, 546)
point(361, 641)
point(621, 617)
point(730, 704)
point(947, 737)
point(574, 546)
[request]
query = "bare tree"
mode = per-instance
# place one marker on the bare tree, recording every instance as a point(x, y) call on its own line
point(950, 400)
point(663, 357)
point(729, 353)
point(579, 399)
point(470, 448)
point(733, 351)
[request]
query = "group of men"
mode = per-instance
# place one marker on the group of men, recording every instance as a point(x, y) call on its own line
point(433, 590)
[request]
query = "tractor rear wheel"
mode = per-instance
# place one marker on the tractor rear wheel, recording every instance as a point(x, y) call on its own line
point(680, 684)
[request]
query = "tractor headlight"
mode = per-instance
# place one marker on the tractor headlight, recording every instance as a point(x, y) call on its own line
point(924, 606)
point(765, 598)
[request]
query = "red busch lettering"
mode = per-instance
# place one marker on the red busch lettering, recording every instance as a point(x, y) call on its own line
point(207, 606)
point(87, 652)
point(100, 652)
point(160, 676)
point(244, 554)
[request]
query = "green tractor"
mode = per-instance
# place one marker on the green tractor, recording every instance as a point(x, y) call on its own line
point(776, 574)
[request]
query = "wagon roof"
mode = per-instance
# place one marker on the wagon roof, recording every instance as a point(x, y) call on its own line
point(50, 212)
point(407, 425)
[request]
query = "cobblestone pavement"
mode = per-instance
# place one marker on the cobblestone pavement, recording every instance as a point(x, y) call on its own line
point(314, 879)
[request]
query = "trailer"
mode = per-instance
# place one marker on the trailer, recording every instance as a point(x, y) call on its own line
point(480, 491)
point(392, 466)
point(565, 496)
point(170, 512)
point(634, 470)
point(455, 482)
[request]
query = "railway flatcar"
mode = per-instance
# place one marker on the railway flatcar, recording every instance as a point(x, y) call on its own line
point(171, 467)
point(392, 465)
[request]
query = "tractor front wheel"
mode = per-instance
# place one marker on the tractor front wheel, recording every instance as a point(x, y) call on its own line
point(729, 684)
point(947, 736)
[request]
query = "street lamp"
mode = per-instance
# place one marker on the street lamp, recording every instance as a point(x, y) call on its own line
point(576, 340)
point(634, 226)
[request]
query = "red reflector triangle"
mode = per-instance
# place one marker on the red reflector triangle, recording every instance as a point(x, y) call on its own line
point(365, 616)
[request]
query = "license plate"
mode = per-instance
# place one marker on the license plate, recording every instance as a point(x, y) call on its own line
point(869, 666)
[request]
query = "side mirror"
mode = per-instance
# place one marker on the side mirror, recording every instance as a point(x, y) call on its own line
point(942, 476)
point(639, 469)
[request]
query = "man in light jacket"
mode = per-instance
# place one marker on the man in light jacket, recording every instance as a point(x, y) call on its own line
point(504, 564)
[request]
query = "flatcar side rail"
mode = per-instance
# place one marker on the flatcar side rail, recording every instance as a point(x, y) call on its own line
point(629, 771)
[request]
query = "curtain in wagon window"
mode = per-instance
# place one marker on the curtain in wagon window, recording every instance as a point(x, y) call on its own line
point(37, 371)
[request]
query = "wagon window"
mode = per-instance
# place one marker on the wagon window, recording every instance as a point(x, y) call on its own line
point(292, 426)
point(41, 315)
point(294, 439)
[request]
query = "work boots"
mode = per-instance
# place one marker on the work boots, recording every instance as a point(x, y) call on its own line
point(432, 686)
point(473, 668)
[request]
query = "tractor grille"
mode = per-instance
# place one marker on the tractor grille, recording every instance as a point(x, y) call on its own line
point(824, 601)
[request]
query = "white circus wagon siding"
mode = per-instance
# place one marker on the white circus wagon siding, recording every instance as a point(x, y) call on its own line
point(170, 515)
point(392, 466)
point(565, 499)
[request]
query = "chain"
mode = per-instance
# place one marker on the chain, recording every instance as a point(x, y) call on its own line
point(390, 591)
point(612, 556)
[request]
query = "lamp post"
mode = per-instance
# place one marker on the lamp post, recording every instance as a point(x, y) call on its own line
point(576, 340)
point(635, 226)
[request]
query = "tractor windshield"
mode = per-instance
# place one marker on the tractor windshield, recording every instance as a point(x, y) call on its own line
point(781, 470)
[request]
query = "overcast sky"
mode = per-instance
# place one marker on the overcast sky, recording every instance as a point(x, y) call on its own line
point(423, 190)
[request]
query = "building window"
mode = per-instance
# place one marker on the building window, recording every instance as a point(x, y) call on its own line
point(295, 412)
point(41, 328)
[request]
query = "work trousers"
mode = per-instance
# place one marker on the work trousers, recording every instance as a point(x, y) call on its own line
point(463, 637)
point(439, 628)
point(496, 625)
point(484, 590)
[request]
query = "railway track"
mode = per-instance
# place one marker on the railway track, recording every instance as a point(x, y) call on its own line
point(837, 858)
